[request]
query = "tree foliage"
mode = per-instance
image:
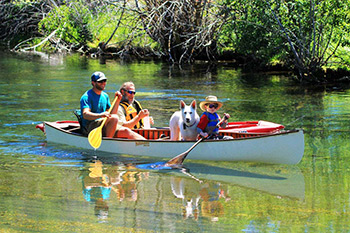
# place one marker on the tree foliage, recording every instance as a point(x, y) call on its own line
point(303, 34)
point(70, 23)
point(314, 31)
point(250, 31)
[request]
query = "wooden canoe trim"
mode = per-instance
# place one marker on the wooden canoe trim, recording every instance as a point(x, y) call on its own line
point(155, 133)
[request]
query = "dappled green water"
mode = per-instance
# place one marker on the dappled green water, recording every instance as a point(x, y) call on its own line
point(53, 188)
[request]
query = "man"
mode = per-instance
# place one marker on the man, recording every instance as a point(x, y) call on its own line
point(131, 114)
point(94, 105)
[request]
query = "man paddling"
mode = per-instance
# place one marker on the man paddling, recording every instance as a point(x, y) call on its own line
point(94, 105)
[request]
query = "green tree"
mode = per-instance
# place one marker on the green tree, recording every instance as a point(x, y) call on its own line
point(303, 35)
point(314, 31)
point(70, 24)
point(250, 31)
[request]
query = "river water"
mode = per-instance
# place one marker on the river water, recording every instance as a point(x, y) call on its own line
point(46, 187)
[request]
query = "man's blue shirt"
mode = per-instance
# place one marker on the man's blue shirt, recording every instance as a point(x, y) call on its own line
point(96, 103)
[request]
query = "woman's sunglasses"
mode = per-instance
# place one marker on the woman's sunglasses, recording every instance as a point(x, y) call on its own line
point(212, 105)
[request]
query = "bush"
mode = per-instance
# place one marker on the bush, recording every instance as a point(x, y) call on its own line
point(71, 23)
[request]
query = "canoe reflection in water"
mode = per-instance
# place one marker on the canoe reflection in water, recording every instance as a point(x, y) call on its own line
point(199, 191)
point(198, 198)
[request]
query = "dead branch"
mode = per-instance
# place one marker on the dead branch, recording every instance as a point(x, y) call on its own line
point(21, 21)
point(182, 28)
point(39, 44)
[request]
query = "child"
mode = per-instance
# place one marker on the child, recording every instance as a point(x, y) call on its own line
point(210, 118)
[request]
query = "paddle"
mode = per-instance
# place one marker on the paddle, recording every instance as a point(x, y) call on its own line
point(178, 160)
point(95, 135)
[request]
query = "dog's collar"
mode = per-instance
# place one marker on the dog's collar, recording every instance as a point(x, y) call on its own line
point(188, 125)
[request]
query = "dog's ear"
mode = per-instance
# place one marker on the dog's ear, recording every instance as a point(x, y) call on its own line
point(182, 104)
point(193, 104)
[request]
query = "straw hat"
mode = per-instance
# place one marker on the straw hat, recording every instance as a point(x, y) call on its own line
point(211, 99)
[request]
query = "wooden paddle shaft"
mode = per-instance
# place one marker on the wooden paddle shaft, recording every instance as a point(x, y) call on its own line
point(109, 111)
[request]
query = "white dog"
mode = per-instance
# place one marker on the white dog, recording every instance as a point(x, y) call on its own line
point(183, 123)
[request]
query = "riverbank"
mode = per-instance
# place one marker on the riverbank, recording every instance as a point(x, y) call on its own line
point(331, 78)
point(327, 76)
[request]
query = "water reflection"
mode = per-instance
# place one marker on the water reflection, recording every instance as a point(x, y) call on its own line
point(199, 191)
point(200, 197)
point(98, 182)
point(97, 189)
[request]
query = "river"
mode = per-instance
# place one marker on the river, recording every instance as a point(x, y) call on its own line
point(46, 187)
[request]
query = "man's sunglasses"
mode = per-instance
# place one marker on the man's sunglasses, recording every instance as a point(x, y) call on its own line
point(212, 105)
point(102, 81)
point(130, 92)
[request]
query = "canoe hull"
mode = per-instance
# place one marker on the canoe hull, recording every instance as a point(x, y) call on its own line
point(281, 148)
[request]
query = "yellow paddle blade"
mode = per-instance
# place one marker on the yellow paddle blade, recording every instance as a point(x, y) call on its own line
point(96, 169)
point(95, 137)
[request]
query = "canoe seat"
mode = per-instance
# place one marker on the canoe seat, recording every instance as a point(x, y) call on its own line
point(77, 113)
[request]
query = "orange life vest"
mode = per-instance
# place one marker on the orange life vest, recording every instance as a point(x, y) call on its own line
point(131, 111)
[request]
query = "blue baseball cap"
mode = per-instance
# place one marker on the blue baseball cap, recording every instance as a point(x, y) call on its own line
point(98, 76)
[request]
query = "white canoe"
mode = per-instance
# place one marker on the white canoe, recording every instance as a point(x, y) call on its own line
point(283, 147)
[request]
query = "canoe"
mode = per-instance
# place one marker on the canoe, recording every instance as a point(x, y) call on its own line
point(281, 147)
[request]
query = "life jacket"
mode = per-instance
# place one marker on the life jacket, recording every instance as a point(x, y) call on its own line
point(131, 112)
point(213, 120)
